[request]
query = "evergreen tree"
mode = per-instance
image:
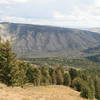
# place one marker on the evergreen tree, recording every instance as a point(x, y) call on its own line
point(45, 77)
point(18, 73)
point(34, 75)
point(59, 76)
point(73, 73)
point(7, 61)
point(53, 76)
point(97, 87)
point(86, 92)
point(84, 87)
point(67, 79)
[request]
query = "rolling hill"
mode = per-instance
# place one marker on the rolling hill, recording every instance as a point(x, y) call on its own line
point(47, 41)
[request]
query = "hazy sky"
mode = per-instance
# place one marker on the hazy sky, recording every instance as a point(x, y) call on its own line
point(67, 13)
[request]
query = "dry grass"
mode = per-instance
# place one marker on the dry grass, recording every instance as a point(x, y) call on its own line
point(39, 93)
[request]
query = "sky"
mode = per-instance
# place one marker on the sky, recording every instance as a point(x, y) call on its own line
point(64, 13)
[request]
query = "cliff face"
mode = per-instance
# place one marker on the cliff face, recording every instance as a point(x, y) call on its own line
point(44, 41)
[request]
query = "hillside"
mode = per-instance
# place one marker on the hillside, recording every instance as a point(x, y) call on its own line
point(40, 93)
point(93, 50)
point(20, 73)
point(46, 41)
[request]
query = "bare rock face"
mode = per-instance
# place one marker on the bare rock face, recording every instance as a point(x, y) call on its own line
point(46, 41)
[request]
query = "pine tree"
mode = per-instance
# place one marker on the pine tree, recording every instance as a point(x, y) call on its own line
point(18, 73)
point(34, 75)
point(45, 80)
point(73, 73)
point(97, 87)
point(7, 60)
point(86, 92)
point(67, 79)
point(53, 76)
point(59, 76)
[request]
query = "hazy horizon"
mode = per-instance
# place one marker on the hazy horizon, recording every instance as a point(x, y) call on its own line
point(63, 13)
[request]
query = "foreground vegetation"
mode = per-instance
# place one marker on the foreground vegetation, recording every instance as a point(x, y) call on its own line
point(14, 72)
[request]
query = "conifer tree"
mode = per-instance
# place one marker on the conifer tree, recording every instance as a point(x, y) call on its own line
point(34, 75)
point(18, 73)
point(67, 79)
point(59, 76)
point(97, 87)
point(45, 80)
point(7, 61)
point(73, 73)
point(53, 76)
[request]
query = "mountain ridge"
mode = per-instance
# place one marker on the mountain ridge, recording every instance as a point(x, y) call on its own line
point(95, 29)
point(44, 41)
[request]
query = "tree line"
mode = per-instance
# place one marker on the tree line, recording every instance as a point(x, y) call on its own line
point(14, 72)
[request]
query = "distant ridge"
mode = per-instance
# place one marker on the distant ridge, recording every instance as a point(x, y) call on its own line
point(48, 41)
point(96, 29)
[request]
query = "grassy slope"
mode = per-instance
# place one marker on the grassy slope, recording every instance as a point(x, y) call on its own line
point(40, 93)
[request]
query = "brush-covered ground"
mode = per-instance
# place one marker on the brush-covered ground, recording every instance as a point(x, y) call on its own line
point(39, 93)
